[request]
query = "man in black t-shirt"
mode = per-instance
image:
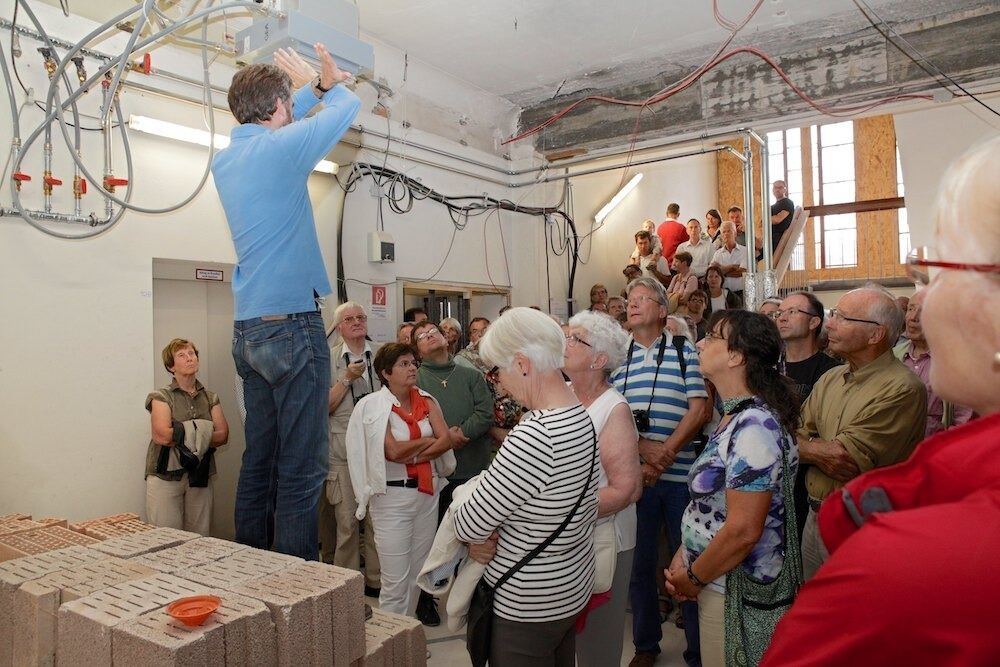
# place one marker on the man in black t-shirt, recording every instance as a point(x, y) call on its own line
point(782, 212)
point(800, 322)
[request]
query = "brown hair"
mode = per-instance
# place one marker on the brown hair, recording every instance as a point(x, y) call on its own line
point(420, 326)
point(643, 234)
point(673, 209)
point(388, 355)
point(733, 209)
point(254, 89)
point(684, 257)
point(712, 213)
point(172, 348)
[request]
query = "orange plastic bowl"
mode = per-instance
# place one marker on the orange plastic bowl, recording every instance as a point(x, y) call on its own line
point(194, 610)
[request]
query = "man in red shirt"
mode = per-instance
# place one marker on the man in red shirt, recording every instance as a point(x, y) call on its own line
point(671, 232)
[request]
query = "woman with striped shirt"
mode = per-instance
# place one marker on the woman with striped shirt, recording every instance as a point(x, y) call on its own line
point(535, 481)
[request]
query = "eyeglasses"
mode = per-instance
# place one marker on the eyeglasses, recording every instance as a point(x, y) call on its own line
point(351, 319)
point(917, 263)
point(407, 363)
point(714, 335)
point(838, 316)
point(637, 301)
point(792, 311)
point(429, 332)
point(573, 339)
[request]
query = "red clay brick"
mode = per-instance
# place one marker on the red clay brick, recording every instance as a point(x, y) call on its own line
point(39, 541)
point(14, 517)
point(19, 526)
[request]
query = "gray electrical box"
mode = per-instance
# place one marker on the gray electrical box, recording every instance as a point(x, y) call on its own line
point(381, 248)
point(332, 23)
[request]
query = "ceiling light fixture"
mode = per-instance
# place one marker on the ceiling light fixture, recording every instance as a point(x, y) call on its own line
point(617, 199)
point(190, 135)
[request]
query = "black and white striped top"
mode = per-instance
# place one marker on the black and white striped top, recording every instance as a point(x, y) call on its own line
point(525, 494)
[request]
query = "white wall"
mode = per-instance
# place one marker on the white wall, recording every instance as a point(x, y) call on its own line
point(929, 140)
point(690, 181)
point(76, 341)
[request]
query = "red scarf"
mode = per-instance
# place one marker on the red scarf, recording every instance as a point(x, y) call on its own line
point(422, 471)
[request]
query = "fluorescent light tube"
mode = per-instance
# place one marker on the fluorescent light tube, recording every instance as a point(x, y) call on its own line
point(191, 135)
point(617, 199)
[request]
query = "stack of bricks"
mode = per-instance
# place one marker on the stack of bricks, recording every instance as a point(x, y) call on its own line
point(104, 603)
point(115, 525)
point(33, 542)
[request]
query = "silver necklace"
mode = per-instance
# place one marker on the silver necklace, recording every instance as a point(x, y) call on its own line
point(444, 382)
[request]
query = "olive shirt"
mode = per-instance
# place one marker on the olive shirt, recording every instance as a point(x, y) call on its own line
point(877, 413)
point(183, 407)
point(466, 402)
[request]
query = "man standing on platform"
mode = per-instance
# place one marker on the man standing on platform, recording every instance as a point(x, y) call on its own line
point(782, 212)
point(279, 340)
point(671, 232)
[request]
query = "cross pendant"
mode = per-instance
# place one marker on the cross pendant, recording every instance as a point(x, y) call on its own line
point(444, 383)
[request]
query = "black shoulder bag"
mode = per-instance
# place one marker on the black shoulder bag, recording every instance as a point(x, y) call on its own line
point(479, 630)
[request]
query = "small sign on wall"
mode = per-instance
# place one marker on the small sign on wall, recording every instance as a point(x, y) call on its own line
point(208, 274)
point(380, 302)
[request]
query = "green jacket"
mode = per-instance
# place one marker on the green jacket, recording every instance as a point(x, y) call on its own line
point(466, 402)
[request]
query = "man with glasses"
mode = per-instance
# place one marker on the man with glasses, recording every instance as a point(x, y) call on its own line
point(732, 258)
point(662, 382)
point(352, 377)
point(800, 324)
point(865, 414)
point(467, 405)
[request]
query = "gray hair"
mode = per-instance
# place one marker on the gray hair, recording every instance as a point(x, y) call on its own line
point(606, 335)
point(682, 326)
point(969, 186)
point(453, 323)
point(652, 285)
point(885, 311)
point(528, 331)
point(728, 223)
point(338, 314)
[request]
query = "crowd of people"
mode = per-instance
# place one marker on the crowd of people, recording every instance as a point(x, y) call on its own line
point(533, 474)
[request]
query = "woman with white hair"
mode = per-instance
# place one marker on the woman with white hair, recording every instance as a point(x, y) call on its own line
point(596, 345)
point(452, 330)
point(938, 513)
point(531, 519)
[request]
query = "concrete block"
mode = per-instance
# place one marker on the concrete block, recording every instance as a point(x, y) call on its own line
point(157, 640)
point(294, 609)
point(189, 555)
point(14, 573)
point(34, 542)
point(347, 606)
point(239, 567)
point(36, 604)
point(409, 640)
point(249, 630)
point(85, 626)
point(376, 650)
point(136, 544)
point(16, 516)
point(53, 521)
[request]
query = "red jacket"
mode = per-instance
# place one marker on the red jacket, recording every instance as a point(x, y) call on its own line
point(918, 585)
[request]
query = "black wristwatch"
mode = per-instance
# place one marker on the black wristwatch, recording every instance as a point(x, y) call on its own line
point(318, 86)
point(694, 578)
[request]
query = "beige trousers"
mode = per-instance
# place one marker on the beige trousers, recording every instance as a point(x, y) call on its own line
point(712, 627)
point(814, 552)
point(177, 505)
point(338, 529)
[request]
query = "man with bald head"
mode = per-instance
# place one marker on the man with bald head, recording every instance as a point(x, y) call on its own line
point(865, 414)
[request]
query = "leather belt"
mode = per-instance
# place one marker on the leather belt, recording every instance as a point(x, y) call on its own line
point(410, 483)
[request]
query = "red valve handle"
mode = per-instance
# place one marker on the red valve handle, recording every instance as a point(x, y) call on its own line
point(147, 64)
point(21, 176)
point(111, 181)
point(83, 186)
point(49, 180)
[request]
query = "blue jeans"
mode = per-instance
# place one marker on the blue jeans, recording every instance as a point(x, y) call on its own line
point(661, 504)
point(285, 366)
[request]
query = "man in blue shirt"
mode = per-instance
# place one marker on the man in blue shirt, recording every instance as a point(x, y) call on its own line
point(666, 393)
point(279, 341)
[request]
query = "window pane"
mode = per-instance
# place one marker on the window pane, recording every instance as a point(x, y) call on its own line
point(838, 193)
point(899, 175)
point(840, 243)
point(798, 262)
point(795, 159)
point(815, 167)
point(794, 184)
point(838, 133)
point(775, 166)
point(904, 235)
point(818, 243)
point(793, 138)
point(838, 163)
point(775, 142)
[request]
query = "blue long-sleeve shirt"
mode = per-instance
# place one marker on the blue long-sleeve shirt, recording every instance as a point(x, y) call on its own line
point(261, 179)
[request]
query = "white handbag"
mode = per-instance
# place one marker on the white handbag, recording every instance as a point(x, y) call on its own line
point(606, 554)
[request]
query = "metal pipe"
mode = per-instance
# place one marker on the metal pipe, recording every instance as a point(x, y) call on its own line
point(765, 212)
point(750, 279)
point(106, 95)
point(91, 219)
point(46, 174)
point(632, 163)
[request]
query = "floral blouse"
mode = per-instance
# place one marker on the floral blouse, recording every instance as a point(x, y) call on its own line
point(745, 455)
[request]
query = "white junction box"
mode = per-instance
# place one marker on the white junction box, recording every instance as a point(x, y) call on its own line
point(381, 248)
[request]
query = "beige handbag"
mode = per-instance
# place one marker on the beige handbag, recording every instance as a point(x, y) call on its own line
point(606, 554)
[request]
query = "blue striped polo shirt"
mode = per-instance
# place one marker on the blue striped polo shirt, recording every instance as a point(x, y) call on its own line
point(665, 395)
